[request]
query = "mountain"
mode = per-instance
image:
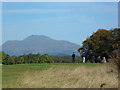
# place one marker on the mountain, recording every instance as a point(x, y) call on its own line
point(39, 44)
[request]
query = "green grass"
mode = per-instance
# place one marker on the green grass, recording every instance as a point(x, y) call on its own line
point(13, 74)
point(0, 76)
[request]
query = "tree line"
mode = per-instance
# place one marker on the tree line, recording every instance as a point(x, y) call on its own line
point(28, 58)
point(35, 58)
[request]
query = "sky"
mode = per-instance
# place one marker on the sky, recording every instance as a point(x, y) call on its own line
point(71, 21)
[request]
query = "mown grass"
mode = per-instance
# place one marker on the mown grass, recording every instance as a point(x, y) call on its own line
point(58, 75)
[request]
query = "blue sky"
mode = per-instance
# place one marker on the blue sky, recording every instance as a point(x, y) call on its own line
point(61, 21)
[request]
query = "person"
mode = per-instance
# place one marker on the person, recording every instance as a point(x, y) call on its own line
point(83, 56)
point(73, 57)
point(104, 60)
point(99, 59)
point(93, 59)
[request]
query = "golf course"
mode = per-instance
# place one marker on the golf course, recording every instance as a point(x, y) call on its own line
point(59, 44)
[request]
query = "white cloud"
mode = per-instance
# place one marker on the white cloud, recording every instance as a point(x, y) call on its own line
point(64, 19)
point(60, 0)
point(38, 11)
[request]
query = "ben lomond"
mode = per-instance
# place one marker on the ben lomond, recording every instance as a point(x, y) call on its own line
point(39, 44)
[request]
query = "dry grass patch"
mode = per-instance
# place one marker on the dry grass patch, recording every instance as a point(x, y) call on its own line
point(70, 77)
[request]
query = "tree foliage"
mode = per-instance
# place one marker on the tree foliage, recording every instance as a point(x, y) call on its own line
point(102, 42)
point(29, 58)
point(5, 58)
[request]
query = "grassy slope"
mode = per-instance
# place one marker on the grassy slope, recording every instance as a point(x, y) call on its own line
point(61, 75)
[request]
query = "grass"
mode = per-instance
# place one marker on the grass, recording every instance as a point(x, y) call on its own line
point(0, 76)
point(59, 75)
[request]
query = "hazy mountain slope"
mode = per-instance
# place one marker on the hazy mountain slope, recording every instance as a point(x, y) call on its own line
point(39, 44)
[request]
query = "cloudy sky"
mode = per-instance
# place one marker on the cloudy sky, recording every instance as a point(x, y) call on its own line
point(59, 20)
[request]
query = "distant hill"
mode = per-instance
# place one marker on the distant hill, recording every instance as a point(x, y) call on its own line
point(39, 44)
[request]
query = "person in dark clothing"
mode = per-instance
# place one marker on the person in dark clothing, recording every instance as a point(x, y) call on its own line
point(93, 59)
point(99, 59)
point(73, 57)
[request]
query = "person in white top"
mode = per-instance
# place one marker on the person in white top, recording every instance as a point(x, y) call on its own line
point(83, 56)
point(104, 60)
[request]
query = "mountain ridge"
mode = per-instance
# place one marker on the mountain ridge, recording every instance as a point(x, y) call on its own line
point(39, 44)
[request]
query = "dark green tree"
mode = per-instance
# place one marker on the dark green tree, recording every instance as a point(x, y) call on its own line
point(5, 58)
point(11, 60)
point(102, 42)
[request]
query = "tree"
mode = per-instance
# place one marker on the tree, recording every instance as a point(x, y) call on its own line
point(35, 59)
point(22, 60)
point(11, 60)
point(0, 57)
point(102, 42)
point(5, 58)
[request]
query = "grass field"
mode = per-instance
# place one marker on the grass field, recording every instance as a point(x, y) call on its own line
point(59, 75)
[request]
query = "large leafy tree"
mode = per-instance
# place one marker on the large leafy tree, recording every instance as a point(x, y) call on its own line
point(102, 42)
